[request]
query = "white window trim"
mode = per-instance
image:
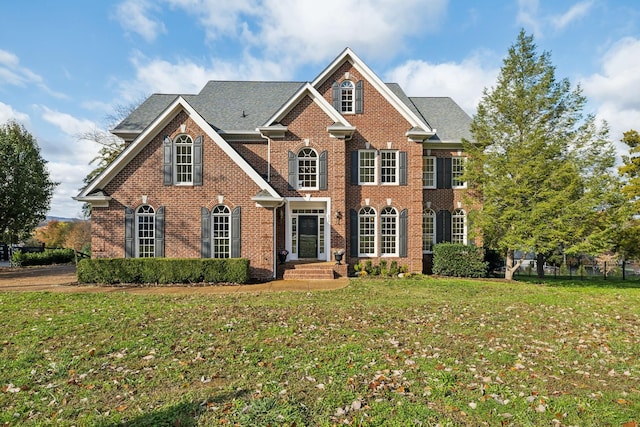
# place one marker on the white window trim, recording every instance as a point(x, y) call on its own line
point(456, 214)
point(137, 216)
point(317, 167)
point(396, 216)
point(435, 172)
point(175, 159)
point(464, 183)
point(226, 214)
point(353, 98)
point(397, 168)
point(433, 234)
point(375, 167)
point(376, 235)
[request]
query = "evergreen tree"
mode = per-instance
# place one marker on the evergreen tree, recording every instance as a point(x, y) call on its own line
point(25, 187)
point(538, 165)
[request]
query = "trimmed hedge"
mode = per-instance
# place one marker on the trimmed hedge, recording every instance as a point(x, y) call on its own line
point(163, 271)
point(457, 260)
point(47, 257)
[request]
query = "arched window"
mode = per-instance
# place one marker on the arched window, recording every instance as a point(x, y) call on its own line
point(367, 231)
point(389, 231)
point(346, 96)
point(183, 155)
point(307, 169)
point(459, 227)
point(428, 230)
point(221, 232)
point(145, 232)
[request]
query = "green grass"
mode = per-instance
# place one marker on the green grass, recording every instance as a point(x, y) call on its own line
point(379, 352)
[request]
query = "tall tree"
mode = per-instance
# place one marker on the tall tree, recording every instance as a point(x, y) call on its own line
point(25, 187)
point(539, 166)
point(630, 170)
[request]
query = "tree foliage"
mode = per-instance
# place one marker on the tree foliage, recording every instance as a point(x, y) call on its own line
point(25, 187)
point(630, 170)
point(539, 166)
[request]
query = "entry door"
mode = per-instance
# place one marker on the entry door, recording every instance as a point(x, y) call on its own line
point(308, 237)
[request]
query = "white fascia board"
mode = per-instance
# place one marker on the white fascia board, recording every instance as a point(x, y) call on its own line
point(154, 128)
point(307, 89)
point(371, 77)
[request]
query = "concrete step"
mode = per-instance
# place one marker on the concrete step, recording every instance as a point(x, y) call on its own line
point(309, 272)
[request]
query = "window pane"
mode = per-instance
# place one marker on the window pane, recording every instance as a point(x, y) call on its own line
point(145, 225)
point(367, 165)
point(367, 231)
point(428, 230)
point(346, 96)
point(389, 231)
point(307, 168)
point(458, 227)
point(457, 169)
point(220, 232)
point(184, 159)
point(428, 171)
point(389, 167)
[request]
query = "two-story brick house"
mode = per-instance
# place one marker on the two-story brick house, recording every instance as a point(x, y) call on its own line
point(246, 169)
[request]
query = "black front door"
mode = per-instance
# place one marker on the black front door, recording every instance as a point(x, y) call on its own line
point(308, 237)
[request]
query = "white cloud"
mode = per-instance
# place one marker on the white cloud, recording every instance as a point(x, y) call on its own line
point(13, 74)
point(463, 82)
point(615, 88)
point(133, 16)
point(68, 124)
point(528, 16)
point(7, 113)
point(576, 12)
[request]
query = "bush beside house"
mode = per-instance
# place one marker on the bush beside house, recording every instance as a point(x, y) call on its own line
point(457, 260)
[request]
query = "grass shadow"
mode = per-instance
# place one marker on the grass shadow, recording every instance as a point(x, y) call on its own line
point(583, 282)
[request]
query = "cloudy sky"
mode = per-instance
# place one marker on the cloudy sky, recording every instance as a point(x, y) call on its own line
point(66, 65)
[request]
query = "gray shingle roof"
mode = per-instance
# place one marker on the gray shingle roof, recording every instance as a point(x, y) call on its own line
point(232, 106)
point(451, 122)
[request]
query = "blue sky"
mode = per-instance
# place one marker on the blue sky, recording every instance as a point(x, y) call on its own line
point(65, 65)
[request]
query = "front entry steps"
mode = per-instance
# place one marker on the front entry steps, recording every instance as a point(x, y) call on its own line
point(300, 270)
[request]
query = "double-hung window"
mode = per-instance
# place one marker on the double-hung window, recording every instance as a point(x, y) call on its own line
point(183, 146)
point(367, 231)
point(428, 172)
point(388, 167)
point(308, 169)
point(346, 96)
point(459, 227)
point(428, 230)
point(367, 167)
point(457, 170)
point(145, 232)
point(220, 232)
point(389, 231)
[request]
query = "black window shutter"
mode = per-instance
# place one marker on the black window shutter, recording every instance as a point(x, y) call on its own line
point(443, 172)
point(354, 167)
point(167, 161)
point(353, 234)
point(443, 226)
point(205, 233)
point(293, 170)
point(129, 230)
point(335, 95)
point(359, 97)
point(197, 160)
point(159, 229)
point(404, 233)
point(236, 232)
point(402, 160)
point(322, 172)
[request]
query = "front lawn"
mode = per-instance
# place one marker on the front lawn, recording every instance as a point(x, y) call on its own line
point(379, 352)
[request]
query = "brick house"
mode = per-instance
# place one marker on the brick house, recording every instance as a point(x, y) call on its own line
point(246, 169)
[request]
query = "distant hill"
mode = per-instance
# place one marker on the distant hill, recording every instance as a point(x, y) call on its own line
point(59, 219)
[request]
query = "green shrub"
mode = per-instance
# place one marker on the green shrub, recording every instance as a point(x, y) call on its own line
point(457, 260)
point(163, 270)
point(48, 257)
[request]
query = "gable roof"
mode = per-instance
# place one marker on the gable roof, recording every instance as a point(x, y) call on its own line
point(452, 122)
point(151, 131)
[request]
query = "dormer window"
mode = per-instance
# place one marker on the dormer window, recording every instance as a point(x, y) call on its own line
point(346, 96)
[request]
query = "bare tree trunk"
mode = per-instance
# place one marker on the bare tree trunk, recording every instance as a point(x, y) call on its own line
point(540, 265)
point(508, 272)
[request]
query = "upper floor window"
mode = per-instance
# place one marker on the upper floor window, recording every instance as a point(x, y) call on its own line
point(459, 227)
point(307, 169)
point(220, 232)
point(367, 167)
point(346, 96)
point(389, 231)
point(428, 230)
point(183, 156)
point(145, 232)
point(367, 231)
point(388, 167)
point(457, 170)
point(429, 172)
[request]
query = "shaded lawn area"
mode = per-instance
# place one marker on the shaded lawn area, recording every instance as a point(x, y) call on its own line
point(379, 352)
